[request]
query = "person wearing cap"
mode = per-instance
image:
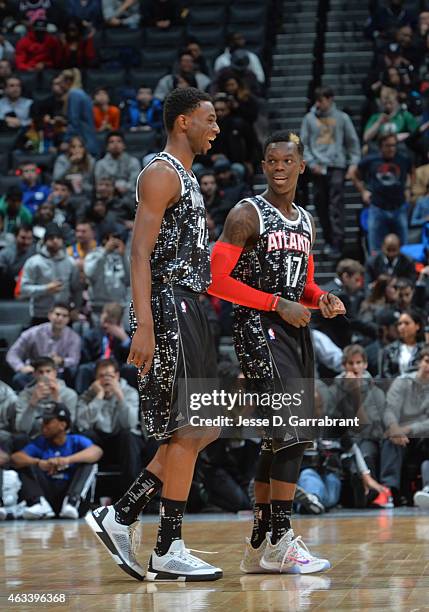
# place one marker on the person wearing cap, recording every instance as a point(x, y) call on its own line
point(15, 214)
point(57, 468)
point(236, 41)
point(38, 50)
point(46, 387)
point(50, 276)
point(12, 259)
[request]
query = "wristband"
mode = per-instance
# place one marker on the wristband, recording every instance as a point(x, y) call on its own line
point(274, 303)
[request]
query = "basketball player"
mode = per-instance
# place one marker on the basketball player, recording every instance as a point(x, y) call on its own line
point(170, 268)
point(262, 263)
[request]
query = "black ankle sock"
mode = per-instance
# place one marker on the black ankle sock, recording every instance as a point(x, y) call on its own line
point(281, 511)
point(128, 508)
point(170, 524)
point(73, 500)
point(32, 501)
point(261, 523)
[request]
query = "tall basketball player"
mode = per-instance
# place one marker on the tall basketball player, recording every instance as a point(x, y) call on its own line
point(170, 268)
point(263, 263)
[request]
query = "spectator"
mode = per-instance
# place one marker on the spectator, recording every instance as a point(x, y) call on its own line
point(106, 116)
point(406, 290)
point(50, 276)
point(236, 41)
point(391, 120)
point(389, 261)
point(38, 50)
point(34, 399)
point(194, 48)
point(381, 179)
point(15, 214)
point(69, 205)
point(121, 14)
point(52, 107)
point(6, 238)
point(79, 113)
point(57, 468)
point(77, 48)
point(232, 188)
point(331, 143)
point(47, 214)
point(161, 14)
point(14, 109)
point(407, 421)
point(387, 19)
point(109, 412)
point(8, 401)
point(76, 166)
point(85, 241)
point(5, 73)
point(54, 339)
point(107, 339)
point(120, 207)
point(187, 71)
point(421, 498)
point(45, 10)
point(102, 218)
point(13, 258)
point(402, 355)
point(118, 164)
point(88, 11)
point(387, 332)
point(107, 269)
point(420, 183)
point(7, 52)
point(384, 292)
point(216, 206)
point(34, 193)
point(241, 101)
point(142, 112)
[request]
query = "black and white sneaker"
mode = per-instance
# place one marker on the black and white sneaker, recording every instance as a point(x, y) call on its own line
point(178, 564)
point(120, 540)
point(310, 502)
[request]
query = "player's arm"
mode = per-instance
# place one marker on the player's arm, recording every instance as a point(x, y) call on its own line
point(313, 296)
point(241, 230)
point(159, 187)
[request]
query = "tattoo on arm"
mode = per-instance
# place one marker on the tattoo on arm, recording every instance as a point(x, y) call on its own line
point(241, 226)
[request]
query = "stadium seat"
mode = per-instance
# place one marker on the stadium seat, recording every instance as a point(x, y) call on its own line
point(14, 311)
point(123, 37)
point(9, 181)
point(254, 34)
point(46, 79)
point(140, 144)
point(45, 161)
point(172, 38)
point(7, 141)
point(158, 57)
point(9, 332)
point(111, 79)
point(29, 81)
point(247, 14)
point(211, 35)
point(206, 15)
point(4, 162)
point(147, 77)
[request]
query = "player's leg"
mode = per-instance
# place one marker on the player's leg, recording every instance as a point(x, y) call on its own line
point(284, 552)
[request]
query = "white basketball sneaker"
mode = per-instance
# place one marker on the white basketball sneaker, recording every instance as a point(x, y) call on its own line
point(178, 564)
point(69, 511)
point(41, 510)
point(291, 556)
point(421, 498)
point(121, 541)
point(250, 564)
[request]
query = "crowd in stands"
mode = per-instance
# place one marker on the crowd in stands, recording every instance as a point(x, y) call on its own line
point(75, 140)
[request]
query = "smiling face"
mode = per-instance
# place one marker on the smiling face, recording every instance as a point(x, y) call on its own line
point(201, 127)
point(282, 166)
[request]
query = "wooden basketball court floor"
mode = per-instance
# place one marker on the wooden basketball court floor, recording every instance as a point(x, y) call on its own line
point(380, 561)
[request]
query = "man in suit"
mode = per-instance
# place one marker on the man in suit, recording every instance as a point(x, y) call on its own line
point(390, 261)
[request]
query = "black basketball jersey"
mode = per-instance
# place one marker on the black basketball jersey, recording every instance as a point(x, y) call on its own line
point(278, 262)
point(181, 254)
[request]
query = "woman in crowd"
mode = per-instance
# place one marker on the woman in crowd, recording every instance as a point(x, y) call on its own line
point(402, 355)
point(77, 166)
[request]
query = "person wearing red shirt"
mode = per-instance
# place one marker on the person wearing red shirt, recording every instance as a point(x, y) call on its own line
point(38, 50)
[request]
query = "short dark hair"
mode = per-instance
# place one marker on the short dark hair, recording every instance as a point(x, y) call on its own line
point(323, 92)
point(41, 362)
point(385, 135)
point(60, 305)
point(105, 363)
point(25, 227)
point(349, 267)
point(285, 136)
point(113, 133)
point(182, 102)
point(84, 221)
point(64, 183)
point(424, 352)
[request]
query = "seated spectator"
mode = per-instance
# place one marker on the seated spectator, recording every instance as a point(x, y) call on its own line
point(186, 69)
point(52, 106)
point(80, 119)
point(85, 241)
point(15, 214)
point(236, 40)
point(408, 46)
point(102, 218)
point(88, 11)
point(194, 48)
point(57, 468)
point(109, 415)
point(389, 261)
point(107, 269)
point(420, 183)
point(387, 332)
point(54, 339)
point(420, 214)
point(8, 401)
point(10, 486)
point(407, 298)
point(240, 99)
point(77, 48)
point(217, 207)
point(50, 276)
point(142, 112)
point(5, 73)
point(68, 204)
point(106, 116)
point(383, 293)
point(407, 421)
point(13, 258)
point(34, 192)
point(107, 339)
point(391, 120)
point(161, 14)
point(120, 206)
point(38, 50)
point(6, 238)
point(230, 182)
point(46, 10)
point(381, 179)
point(41, 136)
point(14, 108)
point(118, 13)
point(402, 355)
point(421, 498)
point(33, 400)
point(46, 214)
point(387, 19)
point(7, 51)
point(118, 164)
point(327, 354)
point(77, 166)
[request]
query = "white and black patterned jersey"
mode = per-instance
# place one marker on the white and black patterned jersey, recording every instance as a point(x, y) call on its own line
point(181, 254)
point(278, 262)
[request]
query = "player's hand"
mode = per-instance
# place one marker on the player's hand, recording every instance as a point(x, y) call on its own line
point(142, 347)
point(331, 306)
point(293, 313)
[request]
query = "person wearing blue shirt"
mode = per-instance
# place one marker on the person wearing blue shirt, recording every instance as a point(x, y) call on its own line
point(57, 468)
point(33, 192)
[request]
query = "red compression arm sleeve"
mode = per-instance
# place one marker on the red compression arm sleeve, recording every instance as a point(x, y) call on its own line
point(312, 291)
point(223, 261)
